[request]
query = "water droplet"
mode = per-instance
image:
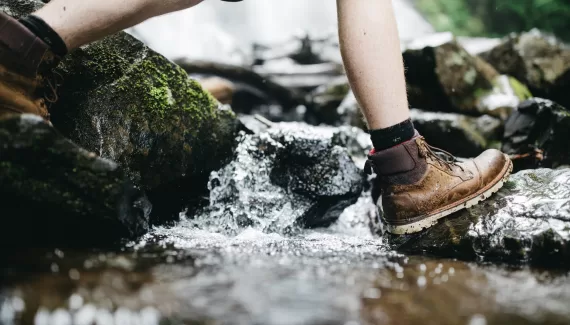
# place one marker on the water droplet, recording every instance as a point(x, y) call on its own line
point(372, 293)
point(54, 268)
point(60, 317)
point(478, 319)
point(423, 268)
point(74, 274)
point(42, 317)
point(59, 253)
point(75, 301)
point(150, 316)
point(422, 281)
point(18, 304)
point(104, 317)
point(451, 271)
point(85, 315)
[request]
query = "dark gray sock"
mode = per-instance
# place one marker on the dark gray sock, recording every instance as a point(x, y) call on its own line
point(392, 136)
point(42, 30)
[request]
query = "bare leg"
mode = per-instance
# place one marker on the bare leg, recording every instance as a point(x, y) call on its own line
point(79, 22)
point(371, 52)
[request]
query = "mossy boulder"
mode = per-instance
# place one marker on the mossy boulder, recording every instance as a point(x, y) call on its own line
point(130, 104)
point(538, 60)
point(443, 76)
point(538, 133)
point(56, 192)
point(528, 221)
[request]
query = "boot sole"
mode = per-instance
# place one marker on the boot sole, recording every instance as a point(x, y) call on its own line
point(433, 218)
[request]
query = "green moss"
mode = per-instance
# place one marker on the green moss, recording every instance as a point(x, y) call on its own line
point(338, 90)
point(161, 90)
point(521, 91)
point(534, 177)
point(510, 185)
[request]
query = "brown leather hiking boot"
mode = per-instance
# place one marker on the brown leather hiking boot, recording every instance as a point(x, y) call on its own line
point(421, 184)
point(24, 60)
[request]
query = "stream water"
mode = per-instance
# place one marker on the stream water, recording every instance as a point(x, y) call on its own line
point(341, 275)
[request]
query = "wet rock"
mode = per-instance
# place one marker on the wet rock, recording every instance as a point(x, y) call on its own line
point(253, 93)
point(141, 110)
point(359, 219)
point(443, 76)
point(349, 113)
point(292, 175)
point(537, 134)
point(537, 60)
point(325, 103)
point(55, 192)
point(462, 135)
point(528, 221)
point(356, 141)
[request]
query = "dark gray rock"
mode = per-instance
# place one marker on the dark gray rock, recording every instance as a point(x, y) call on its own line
point(538, 60)
point(55, 192)
point(325, 102)
point(287, 177)
point(462, 135)
point(528, 221)
point(538, 133)
point(443, 76)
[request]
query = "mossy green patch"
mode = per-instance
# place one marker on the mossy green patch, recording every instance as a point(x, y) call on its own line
point(521, 91)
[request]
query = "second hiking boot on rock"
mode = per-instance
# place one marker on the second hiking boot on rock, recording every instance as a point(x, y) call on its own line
point(25, 60)
point(421, 184)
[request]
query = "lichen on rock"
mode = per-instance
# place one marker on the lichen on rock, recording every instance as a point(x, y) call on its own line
point(443, 76)
point(539, 61)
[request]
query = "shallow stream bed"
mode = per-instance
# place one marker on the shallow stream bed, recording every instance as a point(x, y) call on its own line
point(185, 275)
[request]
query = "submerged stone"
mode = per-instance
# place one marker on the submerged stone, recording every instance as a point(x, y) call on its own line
point(537, 134)
point(54, 192)
point(287, 177)
point(538, 60)
point(443, 76)
point(528, 221)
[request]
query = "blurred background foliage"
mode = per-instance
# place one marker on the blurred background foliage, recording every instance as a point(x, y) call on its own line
point(497, 17)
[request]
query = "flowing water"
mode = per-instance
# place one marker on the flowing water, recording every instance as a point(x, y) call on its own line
point(187, 274)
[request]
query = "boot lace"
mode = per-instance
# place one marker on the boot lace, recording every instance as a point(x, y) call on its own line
point(443, 157)
point(51, 82)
